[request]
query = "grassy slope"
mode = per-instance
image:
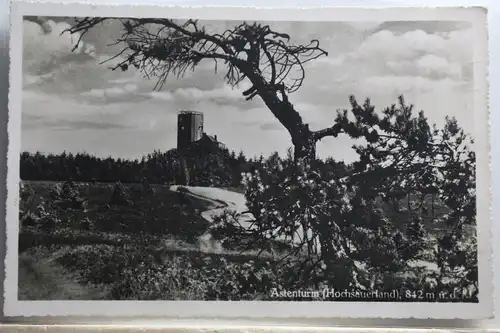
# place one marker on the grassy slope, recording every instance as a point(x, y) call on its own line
point(41, 278)
point(41, 275)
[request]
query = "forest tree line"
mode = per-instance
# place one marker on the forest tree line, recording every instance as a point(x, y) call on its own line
point(156, 168)
point(220, 168)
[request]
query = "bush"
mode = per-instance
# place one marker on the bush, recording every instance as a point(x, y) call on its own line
point(67, 197)
point(87, 224)
point(139, 273)
point(173, 280)
point(27, 193)
point(359, 244)
point(56, 192)
point(49, 222)
point(28, 220)
point(121, 195)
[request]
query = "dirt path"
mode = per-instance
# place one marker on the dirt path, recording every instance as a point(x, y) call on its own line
point(40, 278)
point(219, 199)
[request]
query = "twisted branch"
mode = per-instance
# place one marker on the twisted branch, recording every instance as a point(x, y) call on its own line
point(160, 47)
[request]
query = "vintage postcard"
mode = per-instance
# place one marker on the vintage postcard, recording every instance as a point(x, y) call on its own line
point(222, 162)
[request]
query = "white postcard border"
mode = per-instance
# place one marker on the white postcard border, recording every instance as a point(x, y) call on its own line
point(252, 309)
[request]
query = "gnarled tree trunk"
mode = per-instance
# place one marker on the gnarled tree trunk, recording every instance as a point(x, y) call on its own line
point(304, 147)
point(303, 139)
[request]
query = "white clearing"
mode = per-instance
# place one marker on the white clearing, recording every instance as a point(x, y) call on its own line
point(221, 200)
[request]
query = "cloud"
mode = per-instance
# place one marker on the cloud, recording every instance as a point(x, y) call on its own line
point(271, 126)
point(48, 111)
point(117, 93)
point(34, 80)
point(392, 85)
point(78, 79)
point(437, 98)
point(339, 147)
point(45, 48)
point(326, 61)
point(427, 63)
point(431, 27)
point(416, 52)
point(111, 92)
point(51, 64)
point(33, 122)
point(54, 69)
point(190, 97)
point(429, 66)
point(220, 94)
point(53, 124)
point(406, 46)
point(438, 67)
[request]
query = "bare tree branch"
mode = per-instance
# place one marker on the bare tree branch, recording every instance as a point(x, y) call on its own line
point(330, 131)
point(254, 52)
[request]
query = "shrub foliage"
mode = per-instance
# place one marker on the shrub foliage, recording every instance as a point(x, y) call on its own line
point(365, 225)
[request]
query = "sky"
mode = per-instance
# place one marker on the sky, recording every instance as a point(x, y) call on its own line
point(72, 102)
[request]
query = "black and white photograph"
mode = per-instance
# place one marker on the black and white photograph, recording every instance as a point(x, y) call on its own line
point(176, 158)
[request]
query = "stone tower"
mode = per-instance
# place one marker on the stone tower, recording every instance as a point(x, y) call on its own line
point(189, 128)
